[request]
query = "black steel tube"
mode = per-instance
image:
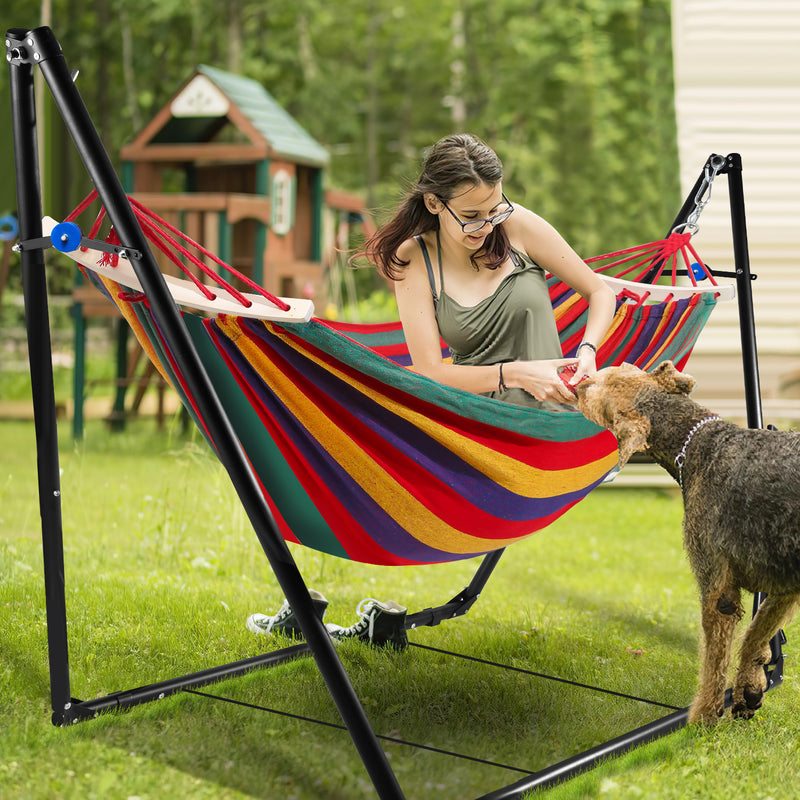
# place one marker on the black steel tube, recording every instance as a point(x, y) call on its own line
point(229, 451)
point(37, 320)
point(744, 292)
point(564, 770)
point(483, 573)
point(157, 691)
point(747, 328)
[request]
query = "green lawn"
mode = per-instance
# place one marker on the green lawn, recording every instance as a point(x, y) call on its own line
point(162, 570)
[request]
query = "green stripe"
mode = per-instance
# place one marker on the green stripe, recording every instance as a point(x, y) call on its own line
point(557, 426)
point(268, 462)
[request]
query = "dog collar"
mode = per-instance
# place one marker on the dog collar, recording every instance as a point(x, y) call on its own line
point(681, 457)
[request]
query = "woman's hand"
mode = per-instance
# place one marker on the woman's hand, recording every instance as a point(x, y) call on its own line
point(541, 378)
point(586, 365)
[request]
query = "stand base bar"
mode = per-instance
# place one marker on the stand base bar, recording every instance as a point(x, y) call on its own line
point(78, 710)
point(583, 762)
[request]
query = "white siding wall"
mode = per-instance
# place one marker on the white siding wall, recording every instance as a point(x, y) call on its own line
point(737, 89)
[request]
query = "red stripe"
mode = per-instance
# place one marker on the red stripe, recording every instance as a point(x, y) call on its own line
point(351, 536)
point(440, 499)
point(540, 453)
point(623, 333)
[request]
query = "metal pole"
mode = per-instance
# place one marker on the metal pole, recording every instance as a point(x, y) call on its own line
point(222, 435)
point(744, 292)
point(565, 770)
point(29, 209)
point(752, 387)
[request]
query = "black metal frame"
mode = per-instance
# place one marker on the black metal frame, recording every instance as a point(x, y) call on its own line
point(38, 47)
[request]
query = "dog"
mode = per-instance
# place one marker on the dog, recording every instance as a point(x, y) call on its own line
point(741, 521)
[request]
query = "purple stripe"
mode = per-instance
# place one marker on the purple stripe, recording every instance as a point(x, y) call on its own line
point(425, 452)
point(381, 527)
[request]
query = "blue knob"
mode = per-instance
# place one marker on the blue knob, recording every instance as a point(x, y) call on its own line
point(66, 237)
point(698, 271)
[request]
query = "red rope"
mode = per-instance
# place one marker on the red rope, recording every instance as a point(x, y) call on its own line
point(143, 210)
point(649, 259)
point(654, 256)
point(155, 237)
point(82, 206)
point(174, 250)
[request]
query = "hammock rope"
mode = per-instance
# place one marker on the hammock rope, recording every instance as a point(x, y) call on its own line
point(361, 457)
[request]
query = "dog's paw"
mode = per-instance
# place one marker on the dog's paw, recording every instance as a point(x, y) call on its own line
point(703, 714)
point(747, 702)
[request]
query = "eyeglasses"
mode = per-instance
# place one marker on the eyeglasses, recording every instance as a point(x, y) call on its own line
point(475, 225)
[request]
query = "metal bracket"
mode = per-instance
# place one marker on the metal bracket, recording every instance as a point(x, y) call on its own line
point(31, 47)
point(44, 242)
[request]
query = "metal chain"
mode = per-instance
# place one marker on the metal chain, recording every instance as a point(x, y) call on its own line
point(712, 169)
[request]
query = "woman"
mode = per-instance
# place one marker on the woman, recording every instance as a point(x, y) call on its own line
point(469, 265)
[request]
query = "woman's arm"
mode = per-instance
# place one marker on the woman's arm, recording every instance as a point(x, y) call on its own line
point(542, 242)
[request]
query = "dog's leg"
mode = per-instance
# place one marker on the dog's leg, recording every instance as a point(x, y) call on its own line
point(751, 682)
point(721, 610)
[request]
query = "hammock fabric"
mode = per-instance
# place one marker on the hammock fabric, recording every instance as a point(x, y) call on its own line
point(360, 457)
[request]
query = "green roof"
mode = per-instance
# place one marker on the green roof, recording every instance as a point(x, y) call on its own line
point(283, 133)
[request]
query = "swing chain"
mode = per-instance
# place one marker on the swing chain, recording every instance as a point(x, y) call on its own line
point(713, 167)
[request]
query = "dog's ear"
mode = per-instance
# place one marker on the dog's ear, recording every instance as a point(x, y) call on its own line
point(631, 430)
point(672, 381)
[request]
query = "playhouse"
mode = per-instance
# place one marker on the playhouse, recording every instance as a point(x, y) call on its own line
point(224, 162)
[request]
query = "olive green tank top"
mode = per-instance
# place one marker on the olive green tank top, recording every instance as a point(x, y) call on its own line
point(515, 323)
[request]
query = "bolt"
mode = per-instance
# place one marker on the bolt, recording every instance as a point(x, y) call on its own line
point(56, 493)
point(30, 42)
point(36, 56)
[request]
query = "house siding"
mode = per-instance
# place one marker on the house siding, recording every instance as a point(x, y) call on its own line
point(737, 90)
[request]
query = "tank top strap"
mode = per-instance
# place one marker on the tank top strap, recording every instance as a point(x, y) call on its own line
point(429, 267)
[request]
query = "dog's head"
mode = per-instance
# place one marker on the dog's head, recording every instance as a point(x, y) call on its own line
point(609, 399)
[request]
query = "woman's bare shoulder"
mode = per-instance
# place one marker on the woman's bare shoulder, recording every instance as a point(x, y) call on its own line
point(410, 253)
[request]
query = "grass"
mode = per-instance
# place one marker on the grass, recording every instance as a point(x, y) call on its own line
point(162, 569)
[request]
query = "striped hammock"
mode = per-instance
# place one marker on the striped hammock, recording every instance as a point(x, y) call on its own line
point(359, 456)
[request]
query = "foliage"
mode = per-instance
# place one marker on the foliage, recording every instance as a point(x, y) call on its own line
point(576, 96)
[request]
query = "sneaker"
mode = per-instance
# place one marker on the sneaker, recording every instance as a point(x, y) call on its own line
point(379, 624)
point(284, 621)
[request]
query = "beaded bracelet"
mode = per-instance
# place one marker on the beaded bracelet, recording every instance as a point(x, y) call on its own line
point(586, 344)
point(501, 386)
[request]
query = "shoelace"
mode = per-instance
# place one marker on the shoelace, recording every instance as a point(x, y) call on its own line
point(367, 621)
point(283, 612)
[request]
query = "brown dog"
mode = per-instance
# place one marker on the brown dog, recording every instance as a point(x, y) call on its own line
point(741, 495)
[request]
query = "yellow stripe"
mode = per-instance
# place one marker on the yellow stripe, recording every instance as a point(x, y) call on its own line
point(387, 492)
point(127, 312)
point(504, 470)
point(566, 305)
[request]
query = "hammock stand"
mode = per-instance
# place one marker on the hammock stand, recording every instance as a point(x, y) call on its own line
point(29, 48)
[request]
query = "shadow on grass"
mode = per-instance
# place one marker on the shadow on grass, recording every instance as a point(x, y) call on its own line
point(415, 696)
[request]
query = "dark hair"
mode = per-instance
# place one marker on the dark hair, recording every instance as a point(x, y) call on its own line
point(454, 160)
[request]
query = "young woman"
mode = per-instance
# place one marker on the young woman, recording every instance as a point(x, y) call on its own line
point(469, 265)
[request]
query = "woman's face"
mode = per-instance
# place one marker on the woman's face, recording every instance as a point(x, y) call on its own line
point(470, 203)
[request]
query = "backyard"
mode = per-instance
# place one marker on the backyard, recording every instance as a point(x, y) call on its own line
point(162, 570)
